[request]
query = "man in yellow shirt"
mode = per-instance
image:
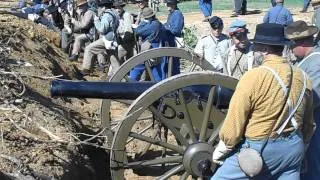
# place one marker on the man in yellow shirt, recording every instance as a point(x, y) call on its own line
point(259, 112)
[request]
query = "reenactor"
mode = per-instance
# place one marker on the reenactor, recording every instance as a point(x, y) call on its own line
point(172, 29)
point(269, 119)
point(150, 31)
point(240, 7)
point(278, 14)
point(141, 4)
point(214, 47)
point(107, 26)
point(84, 30)
point(67, 12)
point(308, 57)
point(125, 32)
point(241, 56)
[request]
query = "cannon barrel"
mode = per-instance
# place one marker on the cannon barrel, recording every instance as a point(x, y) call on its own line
point(99, 89)
point(130, 90)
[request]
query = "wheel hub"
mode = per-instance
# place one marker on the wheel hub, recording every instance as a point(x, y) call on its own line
point(197, 159)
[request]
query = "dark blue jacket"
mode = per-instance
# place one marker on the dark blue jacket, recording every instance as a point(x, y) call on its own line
point(279, 15)
point(174, 25)
point(150, 30)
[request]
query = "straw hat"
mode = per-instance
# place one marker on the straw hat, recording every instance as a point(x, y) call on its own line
point(300, 30)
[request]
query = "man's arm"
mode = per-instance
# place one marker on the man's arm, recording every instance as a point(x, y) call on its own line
point(289, 18)
point(199, 49)
point(85, 21)
point(127, 22)
point(176, 26)
point(102, 25)
point(308, 121)
point(234, 125)
point(266, 17)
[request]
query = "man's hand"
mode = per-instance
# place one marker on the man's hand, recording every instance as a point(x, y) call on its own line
point(73, 20)
point(134, 26)
point(220, 152)
point(96, 18)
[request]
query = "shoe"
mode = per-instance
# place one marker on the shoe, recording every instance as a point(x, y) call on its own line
point(84, 72)
point(303, 11)
point(206, 19)
point(235, 14)
point(73, 57)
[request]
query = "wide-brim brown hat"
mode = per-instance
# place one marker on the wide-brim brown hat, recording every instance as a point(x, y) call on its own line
point(81, 2)
point(300, 30)
point(270, 34)
point(119, 3)
point(147, 13)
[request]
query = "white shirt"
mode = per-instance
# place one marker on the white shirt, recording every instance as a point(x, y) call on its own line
point(213, 49)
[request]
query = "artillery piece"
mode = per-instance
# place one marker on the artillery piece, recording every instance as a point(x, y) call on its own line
point(191, 63)
point(188, 110)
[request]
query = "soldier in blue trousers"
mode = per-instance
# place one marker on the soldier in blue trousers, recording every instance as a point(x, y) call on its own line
point(172, 29)
point(206, 8)
point(150, 32)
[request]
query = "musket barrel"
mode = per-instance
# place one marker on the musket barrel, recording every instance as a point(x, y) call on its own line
point(99, 89)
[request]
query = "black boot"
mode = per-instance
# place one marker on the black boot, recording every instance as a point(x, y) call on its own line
point(73, 57)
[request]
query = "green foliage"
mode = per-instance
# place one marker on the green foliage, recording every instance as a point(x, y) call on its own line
point(190, 37)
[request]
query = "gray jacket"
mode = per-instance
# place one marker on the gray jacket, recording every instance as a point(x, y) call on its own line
point(85, 25)
point(311, 65)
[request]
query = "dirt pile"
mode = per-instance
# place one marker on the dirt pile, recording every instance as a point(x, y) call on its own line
point(42, 137)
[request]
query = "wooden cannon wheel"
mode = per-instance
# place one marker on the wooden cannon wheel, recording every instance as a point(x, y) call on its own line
point(122, 75)
point(192, 125)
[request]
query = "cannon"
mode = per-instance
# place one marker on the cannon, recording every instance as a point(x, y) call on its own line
point(171, 127)
point(190, 62)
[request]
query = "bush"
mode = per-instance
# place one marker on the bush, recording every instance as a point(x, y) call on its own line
point(190, 37)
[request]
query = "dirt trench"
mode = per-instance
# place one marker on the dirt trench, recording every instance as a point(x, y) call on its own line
point(42, 137)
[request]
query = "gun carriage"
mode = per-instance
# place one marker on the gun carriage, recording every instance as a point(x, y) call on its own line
point(171, 127)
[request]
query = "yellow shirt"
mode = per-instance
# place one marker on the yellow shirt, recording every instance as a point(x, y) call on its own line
point(258, 101)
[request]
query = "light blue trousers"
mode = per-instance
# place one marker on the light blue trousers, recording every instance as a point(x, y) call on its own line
point(282, 157)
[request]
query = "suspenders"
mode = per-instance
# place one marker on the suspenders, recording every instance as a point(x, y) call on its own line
point(292, 109)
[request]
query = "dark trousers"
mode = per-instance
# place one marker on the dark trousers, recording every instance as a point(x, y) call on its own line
point(240, 6)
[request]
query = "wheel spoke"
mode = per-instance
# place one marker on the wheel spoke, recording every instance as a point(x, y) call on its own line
point(157, 142)
point(166, 122)
point(214, 134)
point(170, 66)
point(119, 120)
point(146, 147)
point(172, 159)
point(171, 172)
point(193, 67)
point(185, 175)
point(207, 113)
point(187, 117)
point(140, 132)
point(147, 65)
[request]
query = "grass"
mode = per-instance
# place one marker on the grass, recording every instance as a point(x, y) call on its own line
point(193, 6)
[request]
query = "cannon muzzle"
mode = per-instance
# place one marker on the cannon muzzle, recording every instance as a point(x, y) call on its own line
point(99, 89)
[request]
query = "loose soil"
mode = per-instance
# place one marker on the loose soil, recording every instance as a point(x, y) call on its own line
point(43, 137)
